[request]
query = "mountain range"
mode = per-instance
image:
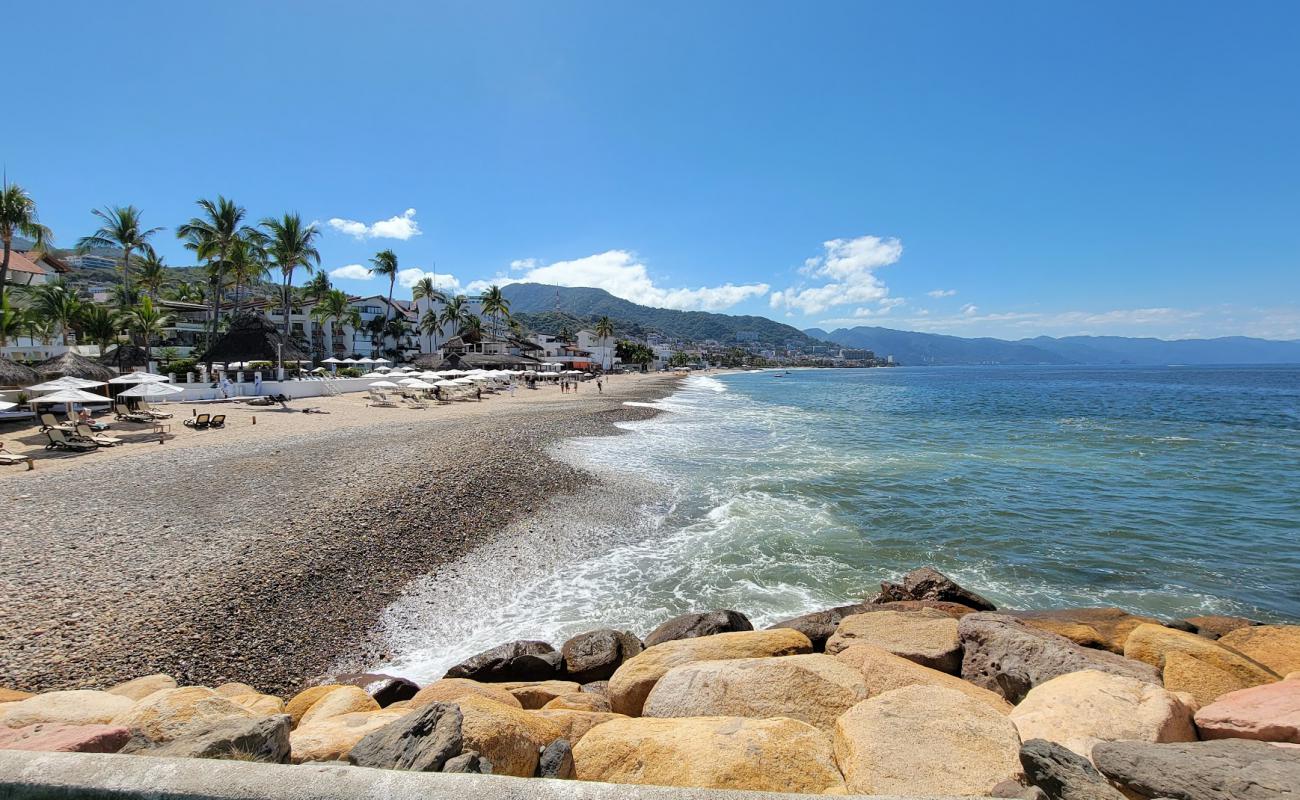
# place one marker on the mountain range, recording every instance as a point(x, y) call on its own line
point(914, 348)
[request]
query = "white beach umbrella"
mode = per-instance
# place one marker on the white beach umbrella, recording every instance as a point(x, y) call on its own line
point(463, 382)
point(5, 405)
point(151, 390)
point(446, 384)
point(382, 361)
point(366, 360)
point(330, 360)
point(415, 383)
point(64, 383)
point(384, 385)
point(373, 374)
point(349, 360)
point(139, 377)
point(429, 376)
point(70, 396)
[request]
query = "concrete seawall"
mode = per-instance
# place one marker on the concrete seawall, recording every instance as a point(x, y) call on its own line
point(84, 776)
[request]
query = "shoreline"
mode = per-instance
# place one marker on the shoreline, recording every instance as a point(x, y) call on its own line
point(270, 557)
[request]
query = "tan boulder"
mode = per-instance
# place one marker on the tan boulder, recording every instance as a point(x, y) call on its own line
point(300, 702)
point(882, 671)
point(74, 707)
point(922, 740)
point(13, 695)
point(632, 682)
point(1080, 709)
point(575, 724)
point(1270, 713)
point(342, 700)
point(580, 701)
point(812, 688)
point(1275, 646)
point(510, 738)
point(162, 715)
point(1202, 681)
point(449, 690)
point(264, 705)
point(776, 755)
point(332, 738)
point(1102, 628)
point(926, 636)
point(1214, 626)
point(535, 694)
point(234, 689)
point(140, 688)
point(1219, 667)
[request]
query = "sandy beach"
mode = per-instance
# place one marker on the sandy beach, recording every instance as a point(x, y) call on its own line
point(265, 552)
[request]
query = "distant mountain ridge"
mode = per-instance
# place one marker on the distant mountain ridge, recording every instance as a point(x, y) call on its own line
point(914, 348)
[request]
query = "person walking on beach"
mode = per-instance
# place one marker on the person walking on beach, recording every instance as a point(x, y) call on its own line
point(599, 387)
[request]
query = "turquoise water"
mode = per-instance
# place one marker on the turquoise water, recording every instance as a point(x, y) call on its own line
point(1171, 491)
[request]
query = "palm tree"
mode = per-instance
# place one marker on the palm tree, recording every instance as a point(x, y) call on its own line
point(426, 289)
point(57, 304)
point(247, 264)
point(471, 328)
point(335, 306)
point(120, 228)
point(147, 322)
point(395, 329)
point(98, 325)
point(495, 306)
point(430, 324)
point(291, 245)
point(385, 263)
point(318, 288)
point(18, 217)
point(454, 314)
point(13, 320)
point(188, 292)
point(211, 236)
point(604, 329)
point(153, 272)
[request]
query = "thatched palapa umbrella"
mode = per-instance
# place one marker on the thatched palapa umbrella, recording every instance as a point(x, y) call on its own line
point(72, 365)
point(252, 337)
point(125, 356)
point(14, 374)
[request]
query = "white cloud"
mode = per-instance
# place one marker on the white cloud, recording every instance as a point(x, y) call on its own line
point(352, 272)
point(406, 278)
point(620, 273)
point(942, 293)
point(850, 265)
point(402, 226)
point(970, 309)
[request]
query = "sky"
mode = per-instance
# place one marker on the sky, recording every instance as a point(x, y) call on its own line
point(995, 169)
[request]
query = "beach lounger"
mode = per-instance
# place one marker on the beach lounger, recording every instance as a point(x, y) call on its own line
point(415, 402)
point(121, 412)
point(60, 441)
point(218, 421)
point(7, 458)
point(201, 421)
point(101, 439)
point(48, 422)
point(381, 399)
point(145, 408)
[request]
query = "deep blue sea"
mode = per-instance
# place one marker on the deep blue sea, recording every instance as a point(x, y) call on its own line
point(1172, 491)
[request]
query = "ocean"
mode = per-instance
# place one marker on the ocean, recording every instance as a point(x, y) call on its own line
point(1170, 491)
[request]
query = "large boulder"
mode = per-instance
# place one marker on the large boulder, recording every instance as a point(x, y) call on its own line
point(820, 625)
point(56, 737)
point(1215, 626)
point(927, 637)
point(164, 715)
point(776, 755)
point(302, 701)
point(1219, 667)
point(815, 689)
point(1230, 769)
point(925, 740)
point(1270, 713)
point(451, 689)
point(262, 704)
point(580, 701)
point(575, 724)
point(13, 695)
point(1102, 628)
point(73, 707)
point(632, 682)
point(928, 583)
point(385, 689)
point(342, 700)
point(593, 656)
point(234, 689)
point(694, 625)
point(1080, 709)
point(422, 741)
point(140, 688)
point(468, 763)
point(263, 739)
point(556, 761)
point(883, 671)
point(535, 694)
point(1010, 657)
point(523, 660)
point(509, 737)
point(1063, 774)
point(1275, 646)
point(332, 738)
point(1198, 680)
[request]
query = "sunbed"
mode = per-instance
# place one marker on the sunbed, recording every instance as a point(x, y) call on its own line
point(200, 421)
point(60, 441)
point(415, 402)
point(145, 408)
point(48, 422)
point(218, 421)
point(381, 399)
point(121, 412)
point(101, 439)
point(7, 458)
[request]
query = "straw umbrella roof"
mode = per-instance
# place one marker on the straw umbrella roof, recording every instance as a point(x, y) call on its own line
point(252, 337)
point(14, 374)
point(125, 356)
point(72, 365)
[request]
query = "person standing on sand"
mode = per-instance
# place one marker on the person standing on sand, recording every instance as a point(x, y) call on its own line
point(599, 387)
point(478, 393)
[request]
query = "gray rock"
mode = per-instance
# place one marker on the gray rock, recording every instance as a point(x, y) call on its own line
point(597, 687)
point(691, 626)
point(820, 625)
point(593, 656)
point(421, 741)
point(513, 661)
point(556, 761)
point(469, 762)
point(385, 689)
point(1063, 774)
point(1007, 656)
point(261, 739)
point(928, 583)
point(1015, 790)
point(1226, 769)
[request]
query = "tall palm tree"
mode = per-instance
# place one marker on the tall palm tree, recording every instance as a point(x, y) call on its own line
point(13, 320)
point(495, 306)
point(471, 328)
point(189, 292)
point(290, 245)
point(385, 263)
point(120, 228)
point(604, 329)
point(336, 307)
point(153, 272)
point(57, 303)
point(18, 217)
point(247, 264)
point(426, 289)
point(211, 236)
point(453, 314)
point(146, 322)
point(98, 325)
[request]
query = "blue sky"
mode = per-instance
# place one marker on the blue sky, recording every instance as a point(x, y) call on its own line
point(1003, 169)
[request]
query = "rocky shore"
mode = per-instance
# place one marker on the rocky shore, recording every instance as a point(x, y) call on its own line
point(922, 690)
point(269, 557)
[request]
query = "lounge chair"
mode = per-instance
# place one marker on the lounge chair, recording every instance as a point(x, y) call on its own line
point(121, 412)
point(7, 458)
point(381, 399)
point(415, 402)
point(218, 421)
point(201, 421)
point(145, 408)
point(101, 439)
point(60, 441)
point(48, 422)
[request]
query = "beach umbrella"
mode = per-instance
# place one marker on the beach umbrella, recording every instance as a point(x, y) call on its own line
point(140, 377)
point(463, 382)
point(415, 383)
point(76, 366)
point(382, 361)
point(151, 390)
point(446, 384)
point(366, 360)
point(5, 405)
point(64, 383)
point(330, 360)
point(384, 385)
point(349, 360)
point(319, 369)
point(373, 374)
point(14, 374)
point(70, 396)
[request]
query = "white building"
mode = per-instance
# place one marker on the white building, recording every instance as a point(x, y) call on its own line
point(601, 350)
point(431, 341)
point(330, 337)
